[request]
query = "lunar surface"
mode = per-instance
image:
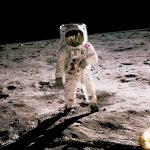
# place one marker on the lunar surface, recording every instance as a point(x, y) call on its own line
point(31, 106)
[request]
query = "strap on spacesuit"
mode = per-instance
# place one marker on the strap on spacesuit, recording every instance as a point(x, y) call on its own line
point(75, 60)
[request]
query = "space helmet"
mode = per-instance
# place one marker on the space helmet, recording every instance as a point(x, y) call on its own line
point(73, 34)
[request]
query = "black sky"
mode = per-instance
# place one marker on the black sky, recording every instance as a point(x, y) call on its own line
point(25, 22)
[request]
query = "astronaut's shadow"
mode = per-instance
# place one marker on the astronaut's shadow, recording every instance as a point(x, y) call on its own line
point(43, 135)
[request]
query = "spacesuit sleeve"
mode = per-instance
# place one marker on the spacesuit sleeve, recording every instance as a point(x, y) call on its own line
point(61, 62)
point(91, 57)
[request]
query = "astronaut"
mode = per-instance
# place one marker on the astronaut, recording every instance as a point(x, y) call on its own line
point(74, 60)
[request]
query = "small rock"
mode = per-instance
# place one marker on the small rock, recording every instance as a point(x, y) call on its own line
point(132, 112)
point(124, 80)
point(11, 87)
point(104, 109)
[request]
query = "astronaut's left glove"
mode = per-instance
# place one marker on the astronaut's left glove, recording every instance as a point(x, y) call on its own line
point(59, 82)
point(82, 64)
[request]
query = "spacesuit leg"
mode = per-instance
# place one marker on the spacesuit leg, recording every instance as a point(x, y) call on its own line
point(88, 88)
point(70, 90)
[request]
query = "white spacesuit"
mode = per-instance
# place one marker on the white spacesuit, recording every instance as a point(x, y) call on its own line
point(75, 57)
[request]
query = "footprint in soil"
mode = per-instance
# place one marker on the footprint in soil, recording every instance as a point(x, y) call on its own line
point(130, 75)
point(18, 59)
point(124, 80)
point(128, 64)
point(146, 62)
point(111, 125)
point(44, 84)
point(3, 95)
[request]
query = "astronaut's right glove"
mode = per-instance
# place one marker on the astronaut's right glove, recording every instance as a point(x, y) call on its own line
point(59, 82)
point(82, 64)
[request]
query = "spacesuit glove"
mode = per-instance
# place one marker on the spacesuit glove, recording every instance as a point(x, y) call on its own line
point(59, 82)
point(82, 64)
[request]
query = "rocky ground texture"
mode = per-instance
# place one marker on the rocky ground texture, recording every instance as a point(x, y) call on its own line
point(31, 106)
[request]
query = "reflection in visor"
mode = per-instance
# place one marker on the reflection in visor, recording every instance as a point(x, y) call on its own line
point(74, 38)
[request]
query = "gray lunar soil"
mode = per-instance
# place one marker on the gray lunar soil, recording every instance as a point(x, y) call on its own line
point(31, 106)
